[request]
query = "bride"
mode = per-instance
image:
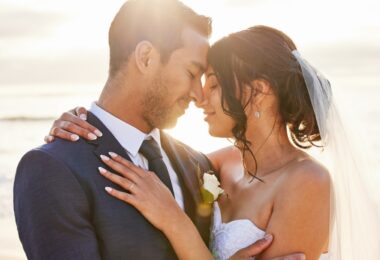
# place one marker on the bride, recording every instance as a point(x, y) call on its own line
point(261, 93)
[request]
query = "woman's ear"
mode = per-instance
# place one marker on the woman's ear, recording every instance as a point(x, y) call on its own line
point(144, 55)
point(261, 89)
point(254, 94)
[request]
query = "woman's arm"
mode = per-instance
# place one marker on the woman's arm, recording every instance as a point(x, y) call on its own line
point(154, 200)
point(301, 213)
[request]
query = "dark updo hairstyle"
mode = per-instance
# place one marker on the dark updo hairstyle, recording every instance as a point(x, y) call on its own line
point(263, 52)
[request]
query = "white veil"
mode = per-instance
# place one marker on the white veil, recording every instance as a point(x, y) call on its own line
point(354, 221)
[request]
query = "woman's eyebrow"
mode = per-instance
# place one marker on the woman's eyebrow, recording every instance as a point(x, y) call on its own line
point(210, 74)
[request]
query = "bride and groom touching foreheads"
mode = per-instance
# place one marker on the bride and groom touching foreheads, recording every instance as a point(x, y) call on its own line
point(127, 190)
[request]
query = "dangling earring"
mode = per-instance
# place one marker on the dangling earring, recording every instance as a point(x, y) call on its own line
point(257, 114)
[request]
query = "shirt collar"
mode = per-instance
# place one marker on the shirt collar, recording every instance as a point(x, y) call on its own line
point(128, 136)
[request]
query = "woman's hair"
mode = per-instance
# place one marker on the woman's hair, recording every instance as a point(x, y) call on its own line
point(263, 52)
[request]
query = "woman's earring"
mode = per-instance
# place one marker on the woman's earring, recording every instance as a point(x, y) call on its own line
point(257, 114)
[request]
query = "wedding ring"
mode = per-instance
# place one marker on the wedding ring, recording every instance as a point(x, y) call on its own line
point(131, 186)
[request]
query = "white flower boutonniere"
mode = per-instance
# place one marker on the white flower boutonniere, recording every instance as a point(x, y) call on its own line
point(210, 191)
point(211, 187)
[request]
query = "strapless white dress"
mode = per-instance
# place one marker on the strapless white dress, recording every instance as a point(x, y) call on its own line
point(228, 238)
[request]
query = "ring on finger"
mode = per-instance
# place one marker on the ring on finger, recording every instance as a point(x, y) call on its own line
point(131, 186)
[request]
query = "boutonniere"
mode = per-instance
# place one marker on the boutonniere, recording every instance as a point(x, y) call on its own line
point(210, 191)
point(210, 188)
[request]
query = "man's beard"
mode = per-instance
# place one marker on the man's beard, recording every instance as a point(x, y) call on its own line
point(157, 112)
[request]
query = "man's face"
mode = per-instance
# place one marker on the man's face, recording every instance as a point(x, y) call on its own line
point(177, 82)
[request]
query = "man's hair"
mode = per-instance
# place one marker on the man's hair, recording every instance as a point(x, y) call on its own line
point(159, 21)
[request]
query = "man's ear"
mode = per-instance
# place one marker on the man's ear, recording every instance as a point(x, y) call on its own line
point(144, 55)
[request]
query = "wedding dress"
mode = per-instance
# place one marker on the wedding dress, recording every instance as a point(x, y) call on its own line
point(354, 220)
point(228, 238)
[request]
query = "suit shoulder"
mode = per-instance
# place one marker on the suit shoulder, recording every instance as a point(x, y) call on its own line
point(38, 160)
point(183, 145)
point(197, 155)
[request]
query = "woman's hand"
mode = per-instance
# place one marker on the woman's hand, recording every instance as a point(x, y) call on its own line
point(71, 125)
point(146, 192)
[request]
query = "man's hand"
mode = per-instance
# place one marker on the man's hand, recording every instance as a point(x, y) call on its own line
point(259, 246)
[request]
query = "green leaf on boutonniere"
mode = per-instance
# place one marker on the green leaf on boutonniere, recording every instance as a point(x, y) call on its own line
point(207, 196)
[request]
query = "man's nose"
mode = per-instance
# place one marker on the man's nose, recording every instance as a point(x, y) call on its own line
point(196, 95)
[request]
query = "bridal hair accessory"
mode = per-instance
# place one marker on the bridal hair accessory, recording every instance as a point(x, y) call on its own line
point(353, 212)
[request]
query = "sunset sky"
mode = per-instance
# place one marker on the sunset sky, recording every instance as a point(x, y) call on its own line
point(46, 42)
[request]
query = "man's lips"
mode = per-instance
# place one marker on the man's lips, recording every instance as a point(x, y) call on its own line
point(184, 104)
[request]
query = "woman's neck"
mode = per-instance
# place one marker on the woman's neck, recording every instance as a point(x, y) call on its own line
point(271, 148)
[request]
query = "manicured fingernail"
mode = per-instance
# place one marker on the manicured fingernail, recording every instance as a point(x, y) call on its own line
point(113, 155)
point(268, 237)
point(50, 138)
point(91, 136)
point(102, 170)
point(104, 158)
point(83, 117)
point(74, 137)
point(108, 189)
point(98, 133)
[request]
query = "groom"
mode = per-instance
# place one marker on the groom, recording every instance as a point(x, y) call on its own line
point(157, 56)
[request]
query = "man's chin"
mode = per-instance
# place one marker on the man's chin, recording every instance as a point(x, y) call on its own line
point(169, 124)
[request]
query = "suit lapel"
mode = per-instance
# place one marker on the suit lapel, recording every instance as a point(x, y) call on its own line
point(106, 143)
point(185, 165)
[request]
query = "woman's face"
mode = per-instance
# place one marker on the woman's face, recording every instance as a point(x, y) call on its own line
point(220, 124)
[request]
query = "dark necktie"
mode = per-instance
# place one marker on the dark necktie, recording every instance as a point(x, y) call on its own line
point(152, 153)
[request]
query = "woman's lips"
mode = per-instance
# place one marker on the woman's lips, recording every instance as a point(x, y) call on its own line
point(208, 115)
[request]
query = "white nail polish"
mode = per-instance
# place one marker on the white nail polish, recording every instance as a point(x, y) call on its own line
point(108, 189)
point(104, 158)
point(102, 170)
point(91, 136)
point(74, 137)
point(112, 154)
point(98, 133)
point(83, 117)
point(268, 237)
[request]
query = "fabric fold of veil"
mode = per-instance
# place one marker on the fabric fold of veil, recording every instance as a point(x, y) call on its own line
point(354, 221)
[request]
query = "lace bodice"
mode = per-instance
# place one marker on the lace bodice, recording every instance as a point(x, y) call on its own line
point(228, 238)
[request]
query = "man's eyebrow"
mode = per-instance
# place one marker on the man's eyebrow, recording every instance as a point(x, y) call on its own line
point(199, 65)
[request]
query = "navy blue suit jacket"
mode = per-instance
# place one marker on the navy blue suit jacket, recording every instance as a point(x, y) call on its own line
point(63, 212)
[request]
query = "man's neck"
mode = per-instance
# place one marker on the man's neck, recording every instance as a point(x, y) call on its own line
point(126, 109)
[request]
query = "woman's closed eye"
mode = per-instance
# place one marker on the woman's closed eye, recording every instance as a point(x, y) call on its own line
point(192, 76)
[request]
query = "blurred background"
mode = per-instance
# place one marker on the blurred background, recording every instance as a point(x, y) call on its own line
point(54, 56)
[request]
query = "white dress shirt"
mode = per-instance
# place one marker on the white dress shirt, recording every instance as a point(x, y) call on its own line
point(131, 140)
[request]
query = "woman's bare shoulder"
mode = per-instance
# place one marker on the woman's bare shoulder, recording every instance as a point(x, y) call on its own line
point(229, 154)
point(306, 175)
